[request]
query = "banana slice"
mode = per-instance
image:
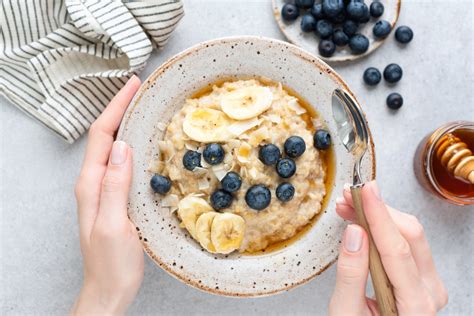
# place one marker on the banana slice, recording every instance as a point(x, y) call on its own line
point(207, 126)
point(227, 232)
point(203, 230)
point(189, 210)
point(247, 102)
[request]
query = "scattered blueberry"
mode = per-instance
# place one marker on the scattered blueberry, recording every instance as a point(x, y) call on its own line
point(332, 8)
point(324, 28)
point(258, 197)
point(403, 34)
point(394, 101)
point(376, 9)
point(372, 76)
point(393, 73)
point(355, 10)
point(286, 167)
point(359, 44)
point(160, 184)
point(326, 48)
point(213, 154)
point(191, 160)
point(221, 199)
point(294, 146)
point(304, 4)
point(308, 23)
point(231, 182)
point(269, 154)
point(317, 11)
point(289, 12)
point(285, 191)
point(322, 139)
point(350, 27)
point(340, 38)
point(381, 29)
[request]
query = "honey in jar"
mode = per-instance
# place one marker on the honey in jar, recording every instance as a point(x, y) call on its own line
point(444, 162)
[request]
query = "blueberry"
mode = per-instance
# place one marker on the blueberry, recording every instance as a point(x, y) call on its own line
point(317, 11)
point(191, 160)
point(324, 28)
point(393, 73)
point(340, 18)
point(213, 154)
point(350, 27)
point(221, 199)
point(286, 167)
point(332, 8)
point(231, 182)
point(381, 29)
point(376, 9)
point(322, 139)
point(340, 38)
point(308, 23)
point(258, 197)
point(289, 12)
point(403, 34)
point(326, 48)
point(285, 191)
point(358, 44)
point(269, 154)
point(294, 146)
point(372, 76)
point(304, 4)
point(355, 10)
point(160, 184)
point(394, 101)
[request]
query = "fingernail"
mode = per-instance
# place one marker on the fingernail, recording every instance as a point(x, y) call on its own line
point(353, 238)
point(340, 200)
point(119, 153)
point(347, 187)
point(375, 189)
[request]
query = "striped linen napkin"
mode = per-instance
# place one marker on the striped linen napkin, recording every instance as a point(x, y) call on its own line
point(62, 61)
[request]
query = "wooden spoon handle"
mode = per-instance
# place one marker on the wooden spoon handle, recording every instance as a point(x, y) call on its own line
point(383, 288)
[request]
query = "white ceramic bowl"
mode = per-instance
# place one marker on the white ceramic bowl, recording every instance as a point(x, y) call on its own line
point(310, 41)
point(161, 95)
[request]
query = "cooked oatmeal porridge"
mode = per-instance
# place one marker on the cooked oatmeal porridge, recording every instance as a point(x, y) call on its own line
point(227, 166)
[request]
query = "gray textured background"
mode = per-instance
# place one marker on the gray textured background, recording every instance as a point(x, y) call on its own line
point(40, 256)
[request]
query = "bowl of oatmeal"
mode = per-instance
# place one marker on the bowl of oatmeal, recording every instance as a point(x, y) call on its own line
point(236, 159)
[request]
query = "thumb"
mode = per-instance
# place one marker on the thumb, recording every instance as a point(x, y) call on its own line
point(352, 272)
point(116, 186)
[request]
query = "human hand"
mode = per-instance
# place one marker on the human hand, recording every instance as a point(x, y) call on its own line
point(405, 255)
point(112, 252)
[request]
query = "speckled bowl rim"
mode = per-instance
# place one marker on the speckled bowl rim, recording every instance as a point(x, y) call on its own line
point(321, 65)
point(282, 26)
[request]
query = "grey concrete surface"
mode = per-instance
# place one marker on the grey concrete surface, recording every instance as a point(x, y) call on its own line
point(41, 267)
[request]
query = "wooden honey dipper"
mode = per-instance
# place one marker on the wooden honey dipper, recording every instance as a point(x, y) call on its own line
point(456, 157)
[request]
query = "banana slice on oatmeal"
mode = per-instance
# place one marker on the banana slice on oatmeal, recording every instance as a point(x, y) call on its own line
point(203, 230)
point(227, 232)
point(190, 209)
point(246, 102)
point(207, 126)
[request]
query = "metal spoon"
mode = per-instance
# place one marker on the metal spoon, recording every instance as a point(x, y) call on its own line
point(353, 132)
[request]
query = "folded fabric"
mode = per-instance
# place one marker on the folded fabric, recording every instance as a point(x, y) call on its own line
point(62, 61)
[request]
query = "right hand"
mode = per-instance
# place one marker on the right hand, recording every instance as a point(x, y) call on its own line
point(405, 255)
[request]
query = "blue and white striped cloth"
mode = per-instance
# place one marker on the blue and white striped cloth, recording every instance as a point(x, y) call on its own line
point(62, 61)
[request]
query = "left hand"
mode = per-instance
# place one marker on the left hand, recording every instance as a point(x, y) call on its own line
point(113, 254)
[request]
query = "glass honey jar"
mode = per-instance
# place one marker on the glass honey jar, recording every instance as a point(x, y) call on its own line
point(444, 162)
